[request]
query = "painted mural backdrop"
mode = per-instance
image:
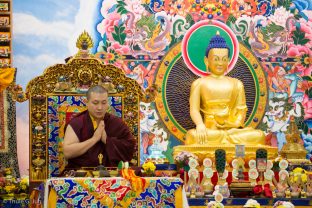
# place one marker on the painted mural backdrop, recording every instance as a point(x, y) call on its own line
point(134, 35)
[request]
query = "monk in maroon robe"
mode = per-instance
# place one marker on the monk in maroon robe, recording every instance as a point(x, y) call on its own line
point(95, 131)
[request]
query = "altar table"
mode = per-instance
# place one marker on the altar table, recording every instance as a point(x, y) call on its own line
point(240, 202)
point(114, 192)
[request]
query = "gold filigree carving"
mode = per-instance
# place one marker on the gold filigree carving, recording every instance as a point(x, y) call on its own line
point(149, 94)
point(85, 75)
point(17, 93)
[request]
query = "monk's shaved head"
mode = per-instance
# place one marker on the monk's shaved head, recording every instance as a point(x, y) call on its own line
point(96, 89)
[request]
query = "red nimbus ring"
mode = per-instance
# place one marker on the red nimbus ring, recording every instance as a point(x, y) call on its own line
point(195, 27)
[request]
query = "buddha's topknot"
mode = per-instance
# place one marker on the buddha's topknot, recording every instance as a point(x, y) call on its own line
point(216, 42)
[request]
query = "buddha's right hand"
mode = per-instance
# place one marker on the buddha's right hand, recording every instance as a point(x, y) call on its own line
point(201, 132)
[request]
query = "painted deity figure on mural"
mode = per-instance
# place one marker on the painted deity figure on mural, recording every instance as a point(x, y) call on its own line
point(278, 82)
point(283, 84)
point(221, 100)
point(154, 139)
point(277, 119)
point(160, 143)
point(143, 75)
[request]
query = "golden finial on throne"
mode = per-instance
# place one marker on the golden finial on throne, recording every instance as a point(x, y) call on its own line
point(84, 43)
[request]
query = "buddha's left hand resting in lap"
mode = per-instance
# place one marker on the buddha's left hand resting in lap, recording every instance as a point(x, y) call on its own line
point(221, 101)
point(95, 131)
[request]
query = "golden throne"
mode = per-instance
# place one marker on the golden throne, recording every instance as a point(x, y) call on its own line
point(59, 93)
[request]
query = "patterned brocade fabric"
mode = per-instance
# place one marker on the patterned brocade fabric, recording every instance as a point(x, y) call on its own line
point(113, 192)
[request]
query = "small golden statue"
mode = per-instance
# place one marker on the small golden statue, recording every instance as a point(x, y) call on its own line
point(206, 183)
point(100, 170)
point(192, 184)
point(218, 108)
point(107, 83)
point(64, 84)
point(294, 150)
point(100, 156)
point(287, 193)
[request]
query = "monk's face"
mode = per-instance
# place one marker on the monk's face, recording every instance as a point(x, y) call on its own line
point(97, 105)
point(218, 61)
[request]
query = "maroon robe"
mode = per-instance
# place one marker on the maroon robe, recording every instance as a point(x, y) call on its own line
point(119, 145)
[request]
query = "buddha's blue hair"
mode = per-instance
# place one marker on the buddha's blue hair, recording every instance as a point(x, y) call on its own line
point(217, 42)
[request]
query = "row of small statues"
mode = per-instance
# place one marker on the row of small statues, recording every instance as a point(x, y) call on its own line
point(65, 84)
point(295, 184)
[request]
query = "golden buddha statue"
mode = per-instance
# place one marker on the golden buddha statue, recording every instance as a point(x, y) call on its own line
point(218, 109)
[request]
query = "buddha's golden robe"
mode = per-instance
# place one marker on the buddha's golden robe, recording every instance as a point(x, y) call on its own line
point(221, 100)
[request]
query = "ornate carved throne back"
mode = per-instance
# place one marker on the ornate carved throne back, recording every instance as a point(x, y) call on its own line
point(59, 93)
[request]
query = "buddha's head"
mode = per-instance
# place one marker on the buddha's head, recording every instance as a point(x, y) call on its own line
point(217, 55)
